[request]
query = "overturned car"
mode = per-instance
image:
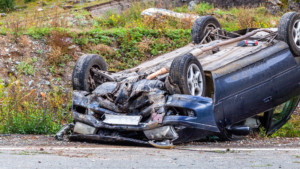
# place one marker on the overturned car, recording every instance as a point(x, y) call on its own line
point(223, 84)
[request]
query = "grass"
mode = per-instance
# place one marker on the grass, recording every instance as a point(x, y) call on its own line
point(27, 67)
point(265, 165)
point(132, 45)
point(124, 40)
point(30, 153)
point(290, 129)
point(26, 111)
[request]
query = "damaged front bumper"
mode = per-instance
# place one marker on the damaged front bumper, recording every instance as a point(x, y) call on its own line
point(95, 123)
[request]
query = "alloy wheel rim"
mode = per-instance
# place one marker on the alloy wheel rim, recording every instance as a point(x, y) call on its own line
point(195, 80)
point(296, 33)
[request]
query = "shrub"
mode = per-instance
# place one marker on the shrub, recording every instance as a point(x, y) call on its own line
point(26, 68)
point(203, 7)
point(7, 5)
point(59, 40)
point(26, 1)
point(28, 112)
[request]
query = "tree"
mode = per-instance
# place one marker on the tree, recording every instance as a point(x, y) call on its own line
point(7, 5)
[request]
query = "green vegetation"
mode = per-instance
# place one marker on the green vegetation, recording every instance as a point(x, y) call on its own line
point(7, 5)
point(265, 165)
point(26, 67)
point(290, 129)
point(26, 1)
point(28, 112)
point(30, 153)
point(135, 44)
point(127, 39)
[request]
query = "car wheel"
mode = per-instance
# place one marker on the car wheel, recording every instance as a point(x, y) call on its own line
point(202, 26)
point(186, 71)
point(83, 77)
point(289, 31)
point(226, 136)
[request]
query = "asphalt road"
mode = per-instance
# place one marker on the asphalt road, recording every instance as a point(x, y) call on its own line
point(141, 157)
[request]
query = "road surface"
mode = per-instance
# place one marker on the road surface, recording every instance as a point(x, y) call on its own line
point(39, 151)
point(141, 157)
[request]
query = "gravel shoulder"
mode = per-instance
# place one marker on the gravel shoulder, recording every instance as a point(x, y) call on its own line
point(18, 140)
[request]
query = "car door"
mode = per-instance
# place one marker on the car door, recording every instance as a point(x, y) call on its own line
point(278, 116)
point(261, 85)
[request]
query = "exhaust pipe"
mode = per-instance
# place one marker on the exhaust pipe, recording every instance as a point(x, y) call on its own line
point(239, 130)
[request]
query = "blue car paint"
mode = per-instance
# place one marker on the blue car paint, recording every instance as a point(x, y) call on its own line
point(264, 80)
point(203, 108)
point(252, 85)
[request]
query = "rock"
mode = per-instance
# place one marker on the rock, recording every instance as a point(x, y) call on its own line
point(5, 52)
point(72, 47)
point(277, 6)
point(76, 1)
point(78, 54)
point(67, 6)
point(192, 5)
point(40, 9)
point(67, 40)
point(47, 82)
point(275, 2)
point(2, 14)
point(30, 82)
point(294, 6)
point(273, 6)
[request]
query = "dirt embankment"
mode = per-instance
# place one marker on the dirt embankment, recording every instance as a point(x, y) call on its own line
point(25, 59)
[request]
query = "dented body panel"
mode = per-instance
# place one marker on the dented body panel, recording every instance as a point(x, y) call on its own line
point(201, 106)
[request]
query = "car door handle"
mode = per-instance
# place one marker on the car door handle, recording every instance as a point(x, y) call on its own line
point(268, 99)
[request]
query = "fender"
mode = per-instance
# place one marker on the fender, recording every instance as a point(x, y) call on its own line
point(202, 106)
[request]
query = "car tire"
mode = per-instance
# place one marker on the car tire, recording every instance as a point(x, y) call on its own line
point(83, 78)
point(226, 136)
point(289, 31)
point(201, 27)
point(186, 71)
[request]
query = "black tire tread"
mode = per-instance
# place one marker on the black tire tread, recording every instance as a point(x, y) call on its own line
point(81, 70)
point(284, 31)
point(178, 72)
point(199, 25)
